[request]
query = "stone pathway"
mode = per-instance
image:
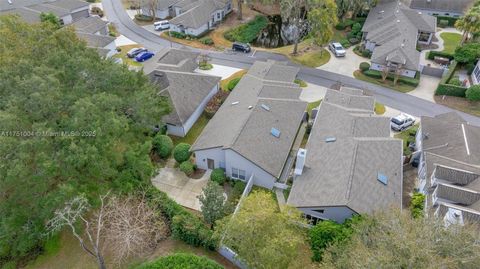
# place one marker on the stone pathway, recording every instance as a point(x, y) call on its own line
point(179, 187)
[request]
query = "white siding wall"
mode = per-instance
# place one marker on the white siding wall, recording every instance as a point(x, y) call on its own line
point(162, 14)
point(406, 73)
point(338, 214)
point(174, 28)
point(67, 19)
point(216, 154)
point(112, 47)
point(194, 117)
point(178, 11)
point(176, 130)
point(262, 178)
point(198, 31)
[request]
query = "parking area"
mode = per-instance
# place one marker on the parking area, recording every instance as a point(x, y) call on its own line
point(179, 187)
point(344, 65)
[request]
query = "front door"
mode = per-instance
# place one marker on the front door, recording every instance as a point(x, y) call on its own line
point(211, 164)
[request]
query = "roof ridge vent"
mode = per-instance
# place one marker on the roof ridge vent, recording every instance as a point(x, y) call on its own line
point(235, 103)
point(267, 108)
point(275, 132)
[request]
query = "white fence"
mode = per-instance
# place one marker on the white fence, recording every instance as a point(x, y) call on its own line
point(226, 251)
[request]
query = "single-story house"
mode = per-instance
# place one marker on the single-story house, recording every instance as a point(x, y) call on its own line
point(392, 32)
point(187, 91)
point(350, 165)
point(67, 11)
point(449, 167)
point(450, 8)
point(252, 134)
point(104, 44)
point(91, 25)
point(192, 17)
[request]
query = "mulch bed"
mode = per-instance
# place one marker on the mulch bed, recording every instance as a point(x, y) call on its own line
point(198, 174)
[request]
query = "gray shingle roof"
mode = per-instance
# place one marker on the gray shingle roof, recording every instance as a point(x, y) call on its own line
point(393, 27)
point(345, 172)
point(186, 92)
point(196, 13)
point(48, 8)
point(177, 59)
point(70, 5)
point(89, 25)
point(96, 41)
point(247, 131)
point(457, 6)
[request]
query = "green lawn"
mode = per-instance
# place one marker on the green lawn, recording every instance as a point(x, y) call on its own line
point(308, 54)
point(312, 105)
point(301, 83)
point(388, 84)
point(450, 41)
point(193, 133)
point(123, 55)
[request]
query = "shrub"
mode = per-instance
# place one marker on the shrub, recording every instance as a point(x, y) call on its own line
point(248, 32)
point(177, 35)
point(344, 24)
point(205, 66)
point(142, 17)
point(232, 83)
point(187, 168)
point(366, 53)
point(405, 80)
point(417, 204)
point(451, 21)
point(324, 234)
point(450, 90)
point(455, 81)
point(431, 55)
point(467, 53)
point(443, 23)
point(181, 152)
point(354, 41)
point(373, 74)
point(218, 175)
point(185, 226)
point(181, 260)
point(237, 191)
point(473, 93)
point(300, 83)
point(97, 11)
point(163, 145)
point(207, 41)
point(345, 43)
point(364, 66)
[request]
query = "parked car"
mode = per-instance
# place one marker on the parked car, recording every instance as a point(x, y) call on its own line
point(337, 49)
point(241, 47)
point(142, 57)
point(401, 122)
point(135, 51)
point(161, 25)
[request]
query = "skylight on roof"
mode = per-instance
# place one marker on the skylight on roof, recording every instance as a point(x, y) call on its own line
point(267, 108)
point(382, 178)
point(330, 139)
point(275, 132)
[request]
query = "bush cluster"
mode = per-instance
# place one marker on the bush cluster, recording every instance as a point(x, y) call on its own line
point(405, 80)
point(142, 17)
point(344, 24)
point(247, 33)
point(184, 225)
point(214, 104)
point(450, 21)
point(206, 41)
point(417, 204)
point(187, 167)
point(181, 260)
point(443, 23)
point(181, 152)
point(237, 190)
point(345, 43)
point(162, 145)
point(450, 90)
point(96, 11)
point(432, 54)
point(218, 175)
point(473, 93)
point(232, 83)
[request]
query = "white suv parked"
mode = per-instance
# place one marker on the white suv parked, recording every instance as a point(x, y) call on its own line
point(402, 122)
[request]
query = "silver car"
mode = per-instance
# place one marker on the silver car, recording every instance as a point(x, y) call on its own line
point(337, 49)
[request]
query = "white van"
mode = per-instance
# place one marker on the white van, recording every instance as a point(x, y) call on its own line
point(161, 25)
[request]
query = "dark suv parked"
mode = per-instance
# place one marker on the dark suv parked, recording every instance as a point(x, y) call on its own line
point(241, 47)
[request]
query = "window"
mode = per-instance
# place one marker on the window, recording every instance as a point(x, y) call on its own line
point(218, 15)
point(476, 72)
point(238, 173)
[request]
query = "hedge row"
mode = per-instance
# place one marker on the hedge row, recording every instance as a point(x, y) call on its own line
point(450, 90)
point(405, 80)
point(184, 225)
point(181, 260)
point(451, 21)
point(431, 55)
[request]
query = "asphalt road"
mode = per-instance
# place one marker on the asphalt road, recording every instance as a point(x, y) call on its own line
point(400, 101)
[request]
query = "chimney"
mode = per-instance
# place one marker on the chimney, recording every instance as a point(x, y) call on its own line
point(300, 163)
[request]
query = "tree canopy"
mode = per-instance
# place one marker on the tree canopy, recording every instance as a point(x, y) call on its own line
point(396, 239)
point(262, 235)
point(70, 123)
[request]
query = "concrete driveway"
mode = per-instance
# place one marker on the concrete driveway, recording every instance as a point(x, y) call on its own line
point(426, 88)
point(179, 187)
point(219, 71)
point(344, 65)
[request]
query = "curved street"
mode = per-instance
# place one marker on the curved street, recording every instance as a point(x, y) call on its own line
point(399, 101)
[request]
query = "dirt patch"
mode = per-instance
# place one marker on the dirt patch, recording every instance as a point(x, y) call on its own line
point(459, 103)
point(198, 174)
point(409, 183)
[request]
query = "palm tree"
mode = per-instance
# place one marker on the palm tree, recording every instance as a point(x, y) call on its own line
point(470, 23)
